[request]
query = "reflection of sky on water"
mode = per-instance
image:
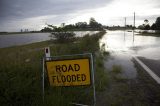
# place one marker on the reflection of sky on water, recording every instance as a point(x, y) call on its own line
point(121, 46)
point(22, 39)
point(147, 46)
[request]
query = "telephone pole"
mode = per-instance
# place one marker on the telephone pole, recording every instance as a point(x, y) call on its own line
point(124, 27)
point(133, 26)
point(134, 21)
point(125, 22)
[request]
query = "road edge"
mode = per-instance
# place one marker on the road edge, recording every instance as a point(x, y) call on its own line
point(147, 69)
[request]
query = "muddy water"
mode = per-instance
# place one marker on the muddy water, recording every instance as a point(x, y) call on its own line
point(123, 45)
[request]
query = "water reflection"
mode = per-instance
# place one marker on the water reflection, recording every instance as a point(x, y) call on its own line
point(124, 41)
point(21, 39)
point(123, 45)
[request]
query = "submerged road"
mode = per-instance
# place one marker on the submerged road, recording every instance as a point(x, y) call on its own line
point(122, 47)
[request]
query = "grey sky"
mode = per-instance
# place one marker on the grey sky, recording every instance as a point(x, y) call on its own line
point(33, 14)
point(32, 8)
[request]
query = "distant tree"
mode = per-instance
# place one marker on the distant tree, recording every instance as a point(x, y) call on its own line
point(106, 27)
point(128, 26)
point(141, 27)
point(157, 23)
point(49, 28)
point(52, 27)
point(145, 26)
point(63, 37)
point(153, 27)
point(94, 24)
point(81, 24)
point(146, 21)
point(92, 21)
point(69, 27)
point(46, 29)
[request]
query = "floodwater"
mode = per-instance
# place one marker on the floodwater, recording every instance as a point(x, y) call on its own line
point(22, 39)
point(122, 45)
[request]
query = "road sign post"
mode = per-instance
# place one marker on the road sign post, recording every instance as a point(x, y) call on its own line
point(93, 80)
point(70, 72)
point(43, 70)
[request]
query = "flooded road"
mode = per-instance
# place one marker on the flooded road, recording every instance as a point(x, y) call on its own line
point(123, 45)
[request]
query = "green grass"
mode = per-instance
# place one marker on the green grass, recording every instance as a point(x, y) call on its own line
point(116, 69)
point(102, 79)
point(20, 74)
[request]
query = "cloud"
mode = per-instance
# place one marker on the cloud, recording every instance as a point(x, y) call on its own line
point(17, 11)
point(15, 14)
point(33, 8)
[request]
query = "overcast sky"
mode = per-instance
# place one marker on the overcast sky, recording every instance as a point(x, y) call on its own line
point(33, 14)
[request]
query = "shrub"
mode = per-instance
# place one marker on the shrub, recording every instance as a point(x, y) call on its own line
point(63, 37)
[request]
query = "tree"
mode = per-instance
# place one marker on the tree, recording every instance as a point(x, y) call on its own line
point(46, 29)
point(81, 24)
point(93, 23)
point(145, 26)
point(157, 23)
point(153, 27)
point(63, 37)
point(128, 26)
point(49, 28)
point(146, 21)
point(141, 27)
point(69, 27)
point(52, 27)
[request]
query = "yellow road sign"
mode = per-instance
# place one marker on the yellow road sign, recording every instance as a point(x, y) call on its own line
point(69, 72)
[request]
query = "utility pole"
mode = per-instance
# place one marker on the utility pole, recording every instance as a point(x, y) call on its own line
point(133, 26)
point(124, 22)
point(124, 27)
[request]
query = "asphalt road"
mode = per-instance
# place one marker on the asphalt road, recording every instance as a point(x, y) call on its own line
point(154, 65)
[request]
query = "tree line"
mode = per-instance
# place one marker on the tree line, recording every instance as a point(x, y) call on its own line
point(154, 26)
point(93, 25)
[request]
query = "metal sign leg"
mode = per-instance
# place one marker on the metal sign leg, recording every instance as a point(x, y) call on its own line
point(43, 79)
point(93, 80)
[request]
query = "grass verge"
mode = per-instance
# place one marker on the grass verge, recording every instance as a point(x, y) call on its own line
point(20, 74)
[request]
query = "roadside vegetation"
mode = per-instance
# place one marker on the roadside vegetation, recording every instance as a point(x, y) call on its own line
point(150, 30)
point(146, 25)
point(146, 33)
point(21, 68)
point(93, 25)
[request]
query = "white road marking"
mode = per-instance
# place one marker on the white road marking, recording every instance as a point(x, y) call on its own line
point(150, 72)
